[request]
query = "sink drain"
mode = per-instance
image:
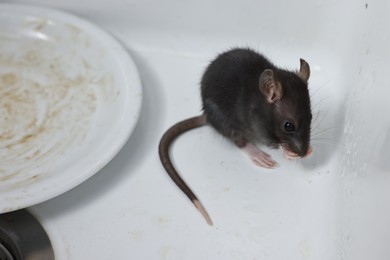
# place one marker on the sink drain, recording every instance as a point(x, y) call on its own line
point(22, 237)
point(5, 253)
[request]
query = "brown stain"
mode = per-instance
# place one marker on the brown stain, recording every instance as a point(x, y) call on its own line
point(25, 182)
point(26, 138)
point(38, 24)
point(87, 65)
point(8, 79)
point(5, 177)
point(73, 29)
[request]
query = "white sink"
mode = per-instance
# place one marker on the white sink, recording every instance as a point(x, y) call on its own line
point(334, 205)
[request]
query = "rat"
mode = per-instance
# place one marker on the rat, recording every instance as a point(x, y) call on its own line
point(250, 101)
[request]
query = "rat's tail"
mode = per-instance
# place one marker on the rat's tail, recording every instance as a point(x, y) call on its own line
point(163, 149)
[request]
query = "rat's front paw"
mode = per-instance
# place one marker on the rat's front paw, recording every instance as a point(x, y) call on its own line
point(289, 155)
point(259, 157)
point(264, 160)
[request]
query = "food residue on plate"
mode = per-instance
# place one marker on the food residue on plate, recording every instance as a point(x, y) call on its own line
point(48, 103)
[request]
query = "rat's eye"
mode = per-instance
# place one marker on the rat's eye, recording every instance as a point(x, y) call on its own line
point(289, 127)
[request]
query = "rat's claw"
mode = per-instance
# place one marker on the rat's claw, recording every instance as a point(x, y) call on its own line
point(265, 162)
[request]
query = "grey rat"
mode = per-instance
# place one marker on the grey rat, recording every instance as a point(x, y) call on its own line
point(250, 101)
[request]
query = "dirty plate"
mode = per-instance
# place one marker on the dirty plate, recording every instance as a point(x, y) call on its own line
point(70, 97)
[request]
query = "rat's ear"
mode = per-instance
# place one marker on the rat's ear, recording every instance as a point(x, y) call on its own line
point(304, 71)
point(271, 88)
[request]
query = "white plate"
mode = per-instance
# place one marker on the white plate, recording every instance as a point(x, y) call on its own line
point(70, 97)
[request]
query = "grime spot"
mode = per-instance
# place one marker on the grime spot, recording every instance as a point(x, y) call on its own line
point(137, 234)
point(161, 221)
point(169, 252)
point(9, 79)
point(38, 24)
point(306, 250)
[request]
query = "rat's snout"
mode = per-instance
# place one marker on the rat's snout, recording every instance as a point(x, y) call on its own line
point(302, 149)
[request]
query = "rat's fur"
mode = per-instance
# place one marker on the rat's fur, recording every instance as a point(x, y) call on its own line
point(236, 108)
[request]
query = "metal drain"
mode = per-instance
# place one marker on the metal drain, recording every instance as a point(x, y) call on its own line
point(23, 238)
point(5, 254)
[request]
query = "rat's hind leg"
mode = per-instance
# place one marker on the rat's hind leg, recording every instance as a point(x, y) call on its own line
point(259, 157)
